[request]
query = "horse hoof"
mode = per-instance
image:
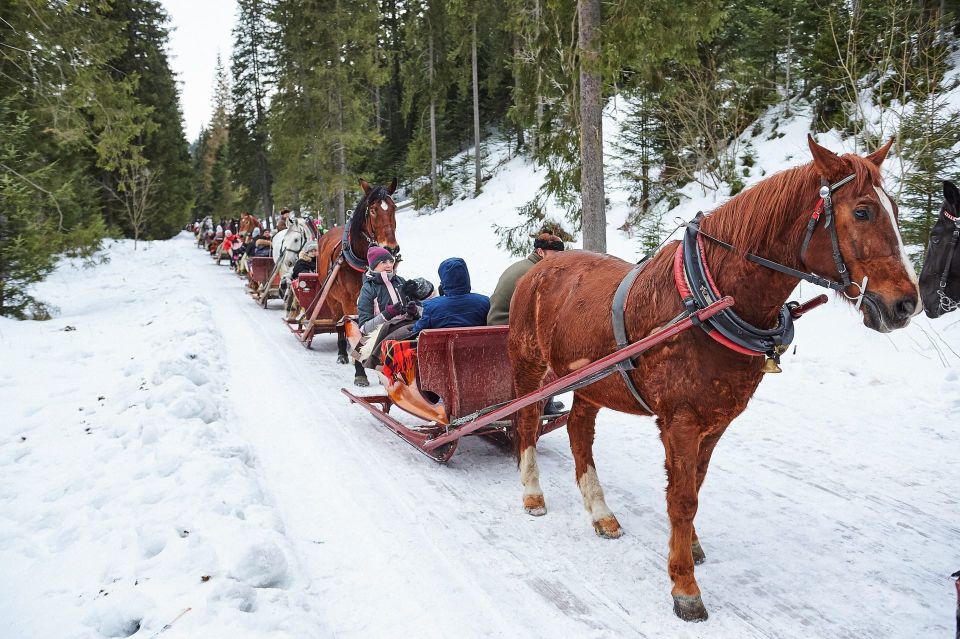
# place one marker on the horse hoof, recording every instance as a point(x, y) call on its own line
point(698, 555)
point(534, 505)
point(361, 381)
point(342, 359)
point(608, 527)
point(689, 608)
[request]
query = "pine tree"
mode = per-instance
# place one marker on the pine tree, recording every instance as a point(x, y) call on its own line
point(61, 113)
point(249, 165)
point(217, 195)
point(157, 158)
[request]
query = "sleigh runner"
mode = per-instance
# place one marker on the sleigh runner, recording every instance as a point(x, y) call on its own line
point(466, 368)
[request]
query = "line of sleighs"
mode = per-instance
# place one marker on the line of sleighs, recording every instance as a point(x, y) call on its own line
point(463, 367)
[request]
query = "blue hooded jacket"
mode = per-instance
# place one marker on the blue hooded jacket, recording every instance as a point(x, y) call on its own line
point(457, 306)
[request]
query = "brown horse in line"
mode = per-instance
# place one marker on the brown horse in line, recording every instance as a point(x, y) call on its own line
point(248, 222)
point(373, 222)
point(560, 318)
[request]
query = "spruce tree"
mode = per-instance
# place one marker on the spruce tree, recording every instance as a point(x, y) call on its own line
point(157, 157)
point(248, 140)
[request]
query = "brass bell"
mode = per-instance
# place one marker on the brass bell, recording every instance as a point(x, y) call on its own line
point(771, 366)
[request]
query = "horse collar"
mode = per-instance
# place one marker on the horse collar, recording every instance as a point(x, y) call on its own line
point(698, 290)
point(346, 249)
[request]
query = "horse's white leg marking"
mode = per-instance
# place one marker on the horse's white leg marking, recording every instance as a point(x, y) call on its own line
point(593, 495)
point(529, 472)
point(530, 476)
point(911, 273)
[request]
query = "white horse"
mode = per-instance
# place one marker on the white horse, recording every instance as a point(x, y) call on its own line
point(288, 242)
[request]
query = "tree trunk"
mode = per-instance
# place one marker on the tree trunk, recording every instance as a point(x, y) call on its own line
point(476, 114)
point(433, 127)
point(341, 151)
point(789, 62)
point(591, 129)
point(341, 164)
point(536, 134)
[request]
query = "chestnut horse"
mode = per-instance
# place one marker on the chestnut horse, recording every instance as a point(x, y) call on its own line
point(561, 319)
point(248, 222)
point(373, 222)
point(940, 276)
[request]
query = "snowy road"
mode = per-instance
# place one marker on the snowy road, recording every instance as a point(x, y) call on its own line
point(830, 509)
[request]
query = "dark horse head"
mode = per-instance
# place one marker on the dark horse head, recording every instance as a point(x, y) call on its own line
point(940, 277)
point(375, 216)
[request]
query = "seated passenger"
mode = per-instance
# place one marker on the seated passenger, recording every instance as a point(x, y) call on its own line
point(307, 262)
point(545, 245)
point(380, 299)
point(456, 306)
point(263, 247)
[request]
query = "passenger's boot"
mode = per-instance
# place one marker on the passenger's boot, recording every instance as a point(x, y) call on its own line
point(553, 407)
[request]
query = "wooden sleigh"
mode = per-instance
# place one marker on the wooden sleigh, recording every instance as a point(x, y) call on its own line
point(469, 370)
point(263, 279)
point(315, 315)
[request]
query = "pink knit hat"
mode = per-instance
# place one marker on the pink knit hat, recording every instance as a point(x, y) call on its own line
point(377, 254)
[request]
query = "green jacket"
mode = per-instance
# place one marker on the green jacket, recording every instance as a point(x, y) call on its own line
point(500, 300)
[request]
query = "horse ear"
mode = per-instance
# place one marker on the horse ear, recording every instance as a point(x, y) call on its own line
point(878, 156)
point(951, 194)
point(392, 187)
point(364, 186)
point(830, 165)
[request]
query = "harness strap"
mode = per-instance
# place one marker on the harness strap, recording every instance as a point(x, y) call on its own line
point(813, 278)
point(946, 303)
point(620, 330)
point(950, 246)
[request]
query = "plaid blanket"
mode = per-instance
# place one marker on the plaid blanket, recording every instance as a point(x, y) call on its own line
point(399, 360)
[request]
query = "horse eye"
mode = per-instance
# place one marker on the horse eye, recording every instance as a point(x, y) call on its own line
point(861, 214)
point(935, 240)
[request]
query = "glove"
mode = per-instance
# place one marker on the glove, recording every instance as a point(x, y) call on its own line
point(412, 310)
point(409, 289)
point(392, 310)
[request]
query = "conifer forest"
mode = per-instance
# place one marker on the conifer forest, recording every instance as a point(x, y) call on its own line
point(316, 93)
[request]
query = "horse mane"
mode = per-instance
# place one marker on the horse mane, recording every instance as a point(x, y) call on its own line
point(763, 219)
point(358, 219)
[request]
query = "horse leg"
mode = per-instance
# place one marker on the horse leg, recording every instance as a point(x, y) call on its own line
point(581, 428)
point(342, 346)
point(360, 375)
point(703, 461)
point(681, 438)
point(527, 377)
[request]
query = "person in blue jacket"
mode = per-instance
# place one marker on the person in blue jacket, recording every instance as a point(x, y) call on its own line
point(456, 306)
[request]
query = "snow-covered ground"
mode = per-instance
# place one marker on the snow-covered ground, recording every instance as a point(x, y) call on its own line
point(166, 444)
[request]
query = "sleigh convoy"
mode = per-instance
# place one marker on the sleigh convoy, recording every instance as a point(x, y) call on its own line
point(457, 386)
point(592, 315)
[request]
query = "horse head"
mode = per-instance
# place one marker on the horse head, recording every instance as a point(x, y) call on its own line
point(864, 248)
point(248, 222)
point(375, 216)
point(940, 277)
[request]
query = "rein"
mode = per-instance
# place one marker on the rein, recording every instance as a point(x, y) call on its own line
point(946, 303)
point(697, 288)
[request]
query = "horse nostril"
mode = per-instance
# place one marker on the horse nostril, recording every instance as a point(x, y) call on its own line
point(905, 307)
